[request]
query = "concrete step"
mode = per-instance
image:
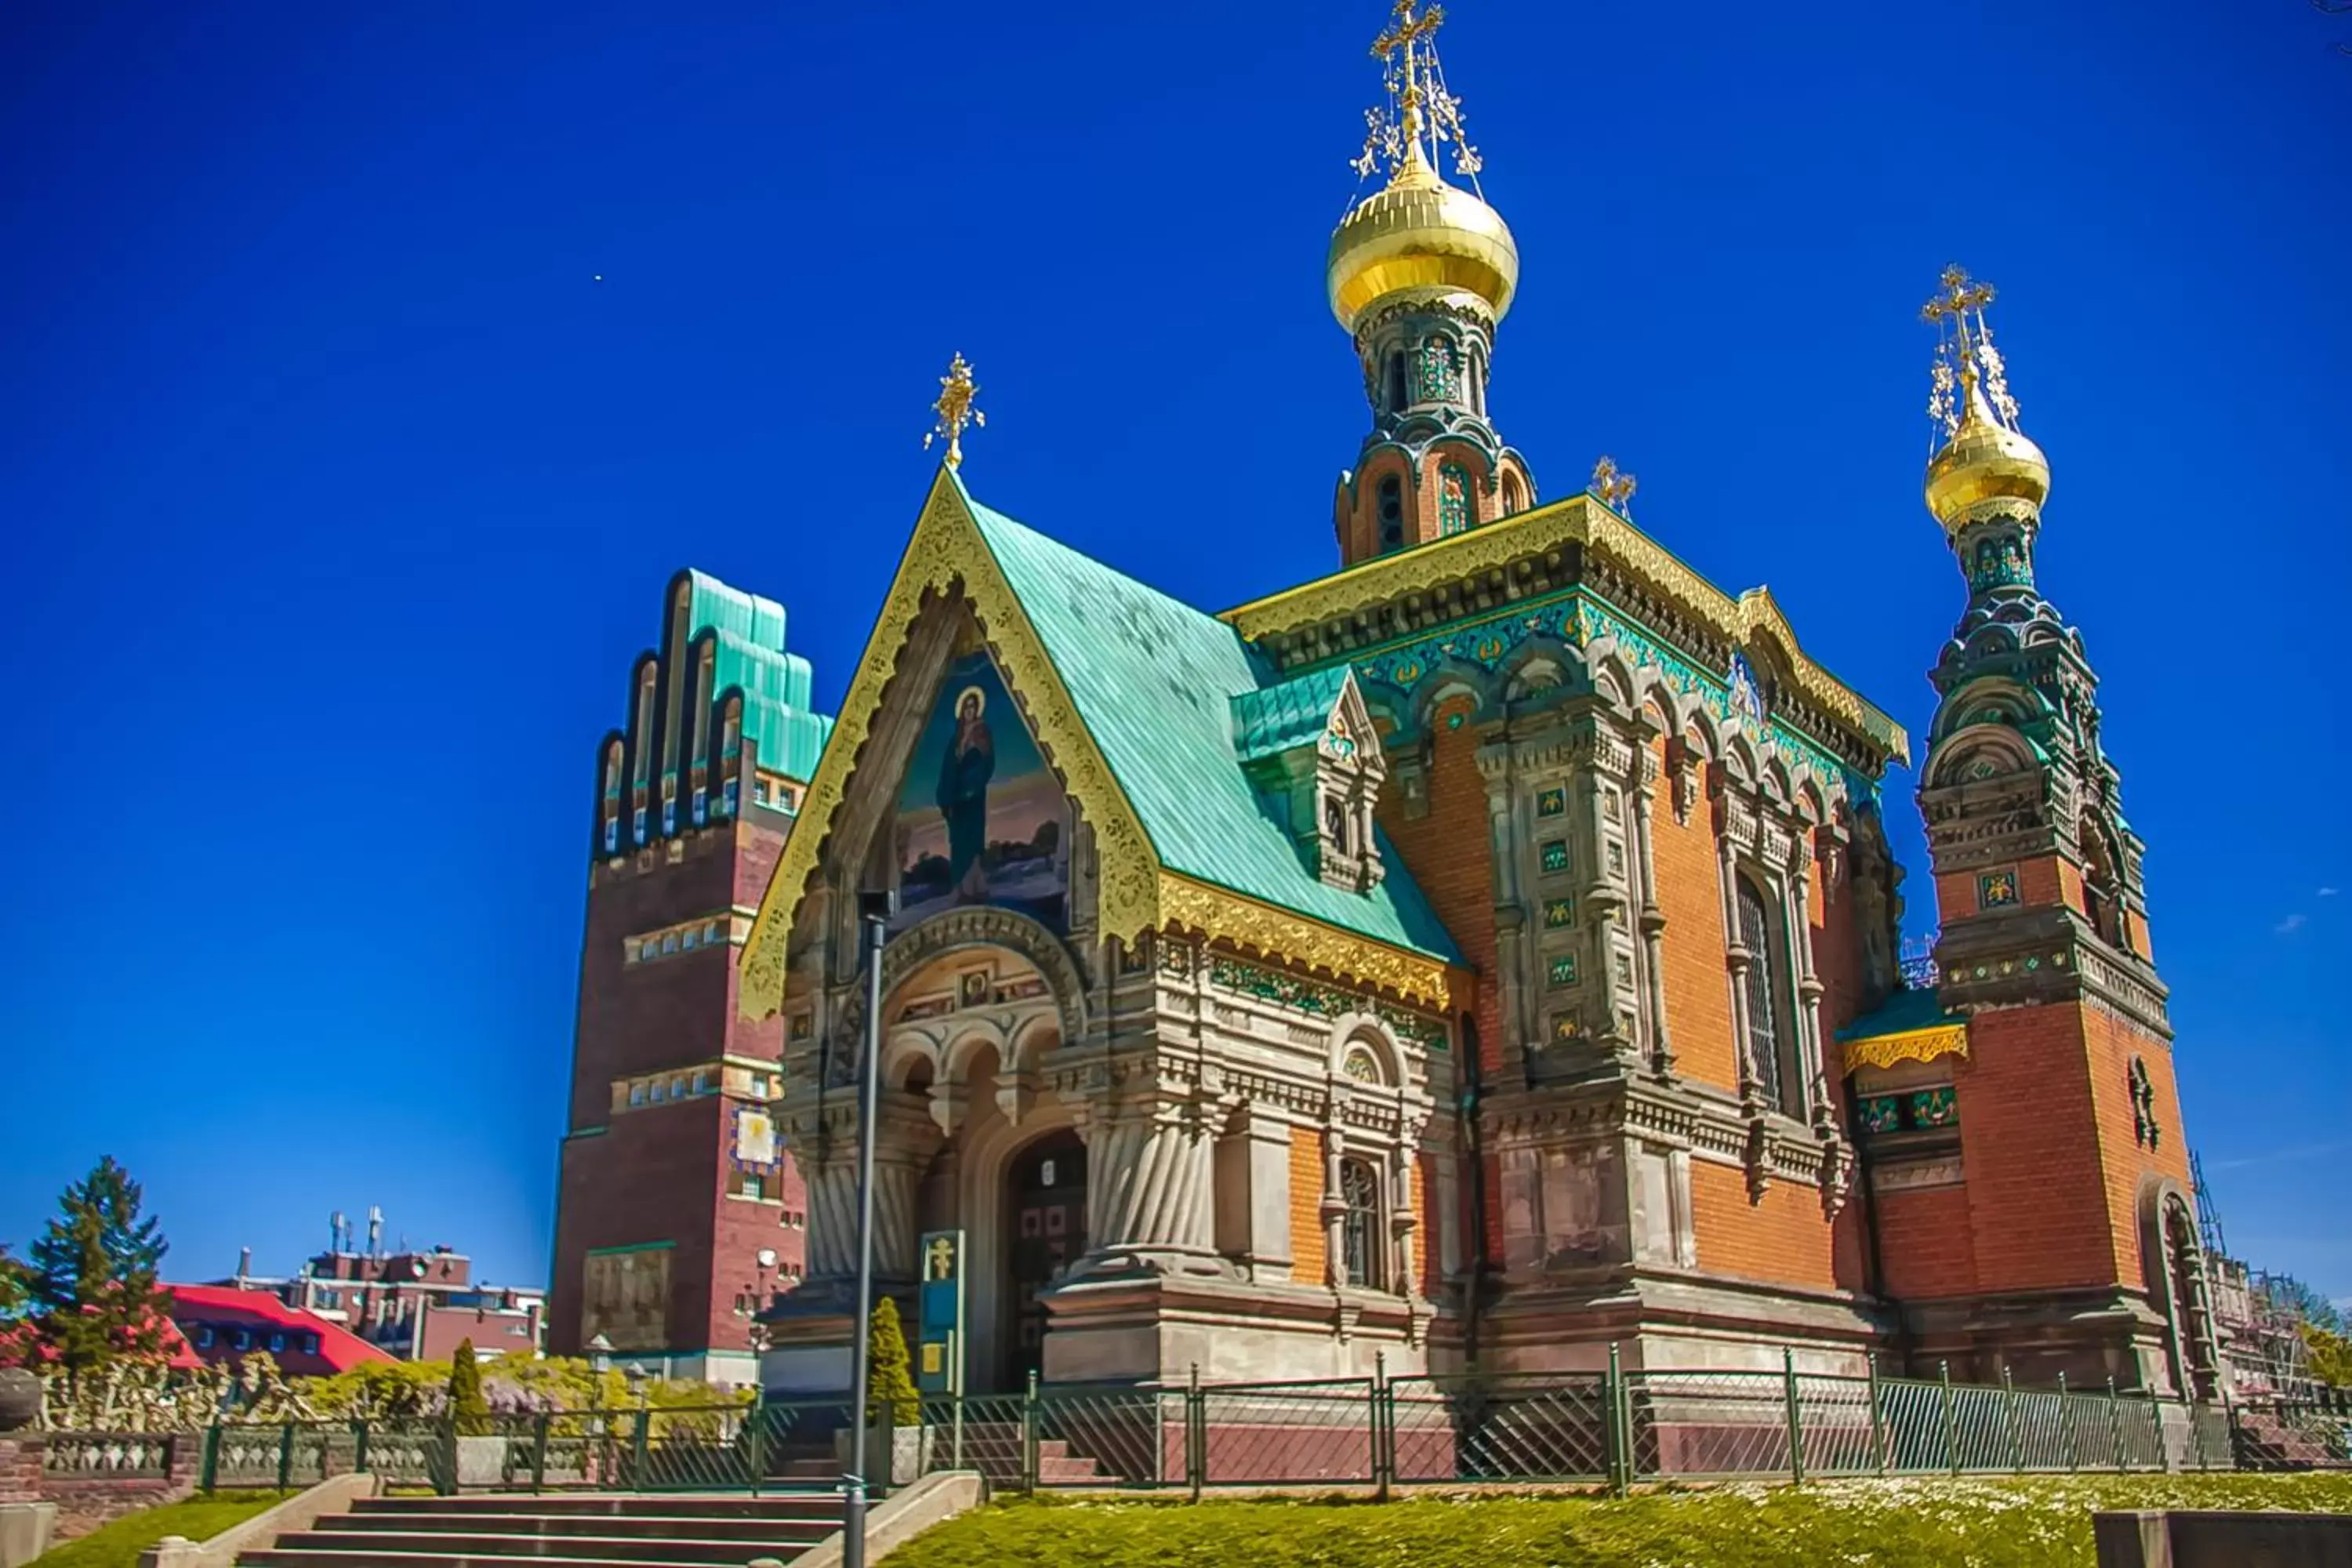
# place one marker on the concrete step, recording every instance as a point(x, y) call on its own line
point(821, 1510)
point(361, 1555)
point(505, 1542)
point(668, 1505)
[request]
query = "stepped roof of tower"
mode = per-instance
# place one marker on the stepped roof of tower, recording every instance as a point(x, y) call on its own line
point(1154, 681)
point(748, 638)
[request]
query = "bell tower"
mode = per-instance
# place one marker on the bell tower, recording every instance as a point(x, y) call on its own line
point(2059, 1224)
point(1421, 272)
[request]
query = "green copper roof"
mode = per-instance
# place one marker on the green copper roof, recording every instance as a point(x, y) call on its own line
point(1901, 1014)
point(1292, 713)
point(1154, 681)
point(748, 636)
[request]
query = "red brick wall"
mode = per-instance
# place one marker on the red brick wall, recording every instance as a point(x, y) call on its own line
point(2111, 1044)
point(1310, 1255)
point(2053, 1170)
point(1926, 1248)
point(1450, 853)
point(1698, 991)
point(2031, 1150)
point(660, 1173)
point(1783, 1240)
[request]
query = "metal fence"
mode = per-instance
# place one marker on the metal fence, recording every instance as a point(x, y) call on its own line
point(1614, 1427)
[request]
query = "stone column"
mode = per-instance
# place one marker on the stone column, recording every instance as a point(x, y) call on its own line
point(1511, 941)
point(1809, 984)
point(1403, 1218)
point(1253, 1192)
point(1737, 957)
point(1148, 1184)
point(832, 1212)
point(1651, 920)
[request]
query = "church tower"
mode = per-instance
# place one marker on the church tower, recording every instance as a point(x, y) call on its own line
point(1421, 272)
point(2033, 1200)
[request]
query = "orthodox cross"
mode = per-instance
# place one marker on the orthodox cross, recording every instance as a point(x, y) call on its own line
point(1957, 296)
point(954, 407)
point(1408, 50)
point(1960, 300)
point(1612, 485)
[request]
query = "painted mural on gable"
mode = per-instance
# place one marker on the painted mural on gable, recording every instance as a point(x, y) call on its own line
point(981, 820)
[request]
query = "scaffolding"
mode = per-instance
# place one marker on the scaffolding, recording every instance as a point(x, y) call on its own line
point(2260, 1324)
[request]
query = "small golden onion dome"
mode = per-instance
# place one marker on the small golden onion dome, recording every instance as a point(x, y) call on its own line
point(1984, 461)
point(1419, 233)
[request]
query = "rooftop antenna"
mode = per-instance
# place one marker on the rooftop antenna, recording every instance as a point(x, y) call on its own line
point(338, 1227)
point(375, 1231)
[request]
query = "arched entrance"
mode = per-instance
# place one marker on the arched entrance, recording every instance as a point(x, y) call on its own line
point(1046, 1232)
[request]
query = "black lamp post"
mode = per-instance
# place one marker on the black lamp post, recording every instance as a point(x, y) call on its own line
point(874, 910)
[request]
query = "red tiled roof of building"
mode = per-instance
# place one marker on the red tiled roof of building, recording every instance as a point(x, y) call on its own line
point(339, 1350)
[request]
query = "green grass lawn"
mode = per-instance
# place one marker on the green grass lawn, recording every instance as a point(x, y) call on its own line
point(119, 1544)
point(2040, 1522)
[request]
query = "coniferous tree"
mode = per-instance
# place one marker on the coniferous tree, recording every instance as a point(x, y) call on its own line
point(17, 1330)
point(467, 1406)
point(95, 1285)
point(889, 1378)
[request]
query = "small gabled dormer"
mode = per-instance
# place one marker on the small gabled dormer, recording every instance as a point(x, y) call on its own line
point(1309, 747)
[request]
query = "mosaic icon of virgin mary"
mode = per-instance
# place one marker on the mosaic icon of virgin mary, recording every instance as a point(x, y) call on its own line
point(964, 773)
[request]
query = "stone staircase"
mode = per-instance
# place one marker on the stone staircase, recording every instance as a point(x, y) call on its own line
point(2265, 1442)
point(600, 1530)
point(992, 1447)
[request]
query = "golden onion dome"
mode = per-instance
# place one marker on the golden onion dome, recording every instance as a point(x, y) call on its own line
point(1984, 461)
point(1421, 234)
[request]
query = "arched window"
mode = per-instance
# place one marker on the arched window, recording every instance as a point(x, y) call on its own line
point(1478, 383)
point(1360, 1230)
point(2100, 897)
point(1452, 498)
point(2192, 1324)
point(1514, 495)
point(1764, 1009)
point(1392, 509)
point(1395, 400)
point(612, 802)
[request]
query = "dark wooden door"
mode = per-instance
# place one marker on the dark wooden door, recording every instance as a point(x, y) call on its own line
point(1049, 1234)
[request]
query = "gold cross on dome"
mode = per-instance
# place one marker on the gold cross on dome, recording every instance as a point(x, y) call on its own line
point(1408, 30)
point(1612, 484)
point(1958, 294)
point(954, 407)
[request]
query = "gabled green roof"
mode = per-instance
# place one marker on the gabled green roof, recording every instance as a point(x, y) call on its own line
point(748, 651)
point(1290, 713)
point(1154, 681)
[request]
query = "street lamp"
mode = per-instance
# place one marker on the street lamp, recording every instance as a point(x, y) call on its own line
point(876, 909)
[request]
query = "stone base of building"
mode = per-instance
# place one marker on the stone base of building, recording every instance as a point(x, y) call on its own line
point(1153, 1328)
point(1676, 1321)
point(2089, 1335)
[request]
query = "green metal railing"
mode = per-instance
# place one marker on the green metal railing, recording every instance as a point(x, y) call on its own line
point(1614, 1427)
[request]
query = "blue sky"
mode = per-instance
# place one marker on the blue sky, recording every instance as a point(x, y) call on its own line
point(339, 492)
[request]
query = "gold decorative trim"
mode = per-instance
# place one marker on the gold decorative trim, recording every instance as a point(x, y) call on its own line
point(1580, 520)
point(947, 550)
point(1911, 1046)
point(1217, 912)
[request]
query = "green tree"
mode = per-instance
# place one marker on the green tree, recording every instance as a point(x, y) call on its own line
point(2289, 1294)
point(2331, 1356)
point(468, 1407)
point(17, 1330)
point(94, 1284)
point(889, 1377)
